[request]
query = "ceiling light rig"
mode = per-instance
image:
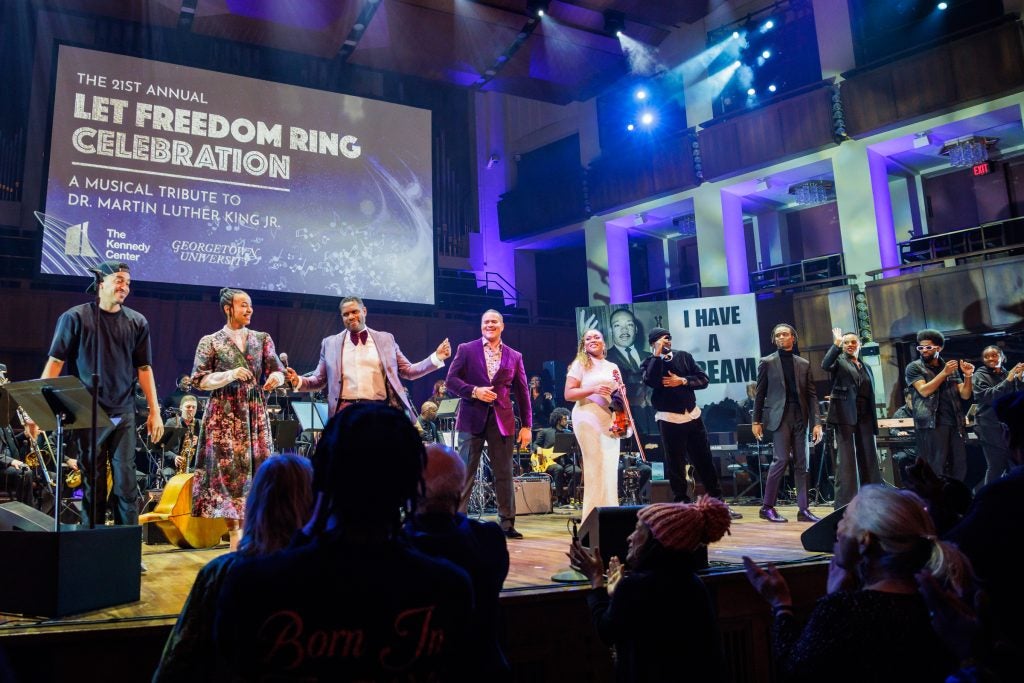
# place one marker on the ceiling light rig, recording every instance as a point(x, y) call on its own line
point(534, 11)
point(358, 30)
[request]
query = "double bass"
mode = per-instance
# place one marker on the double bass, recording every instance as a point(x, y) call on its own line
point(173, 514)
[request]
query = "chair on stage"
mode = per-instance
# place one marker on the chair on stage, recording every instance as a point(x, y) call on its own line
point(745, 441)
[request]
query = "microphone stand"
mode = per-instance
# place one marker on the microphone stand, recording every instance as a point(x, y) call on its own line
point(94, 386)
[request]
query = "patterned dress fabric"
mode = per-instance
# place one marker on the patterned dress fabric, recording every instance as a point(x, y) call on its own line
point(236, 436)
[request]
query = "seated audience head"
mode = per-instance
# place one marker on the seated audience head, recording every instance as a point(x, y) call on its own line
point(278, 504)
point(887, 532)
point(443, 478)
point(676, 528)
point(355, 436)
point(428, 410)
point(559, 418)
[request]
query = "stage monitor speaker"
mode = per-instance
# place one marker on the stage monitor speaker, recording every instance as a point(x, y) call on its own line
point(72, 571)
point(607, 528)
point(533, 495)
point(820, 537)
point(20, 517)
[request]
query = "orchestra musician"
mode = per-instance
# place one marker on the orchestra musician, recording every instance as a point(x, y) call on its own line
point(563, 472)
point(180, 451)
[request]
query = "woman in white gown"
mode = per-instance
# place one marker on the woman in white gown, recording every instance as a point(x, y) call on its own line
point(590, 382)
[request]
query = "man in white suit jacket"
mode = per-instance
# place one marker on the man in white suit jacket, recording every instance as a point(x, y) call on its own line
point(360, 365)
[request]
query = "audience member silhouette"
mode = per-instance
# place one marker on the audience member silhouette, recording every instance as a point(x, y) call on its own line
point(358, 602)
point(659, 572)
point(440, 530)
point(278, 504)
point(873, 624)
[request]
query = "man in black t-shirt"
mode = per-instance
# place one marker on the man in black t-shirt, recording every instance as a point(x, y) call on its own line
point(123, 336)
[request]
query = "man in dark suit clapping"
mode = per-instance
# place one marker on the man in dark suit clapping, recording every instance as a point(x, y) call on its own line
point(851, 409)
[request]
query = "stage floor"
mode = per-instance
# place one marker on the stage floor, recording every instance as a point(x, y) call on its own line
point(534, 560)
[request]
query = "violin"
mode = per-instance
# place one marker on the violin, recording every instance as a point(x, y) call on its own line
point(622, 426)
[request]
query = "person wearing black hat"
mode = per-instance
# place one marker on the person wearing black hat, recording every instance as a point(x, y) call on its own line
point(674, 376)
point(124, 352)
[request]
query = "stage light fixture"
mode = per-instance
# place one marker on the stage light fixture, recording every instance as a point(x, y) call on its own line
point(647, 118)
point(737, 64)
point(766, 54)
point(943, 6)
point(641, 94)
point(614, 22)
point(767, 26)
point(537, 7)
point(735, 35)
point(631, 128)
point(751, 92)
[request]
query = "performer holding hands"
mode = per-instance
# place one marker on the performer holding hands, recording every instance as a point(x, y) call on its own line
point(231, 364)
point(590, 382)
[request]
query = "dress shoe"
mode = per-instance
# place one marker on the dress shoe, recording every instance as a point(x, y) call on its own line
point(771, 514)
point(807, 516)
point(733, 514)
point(512, 533)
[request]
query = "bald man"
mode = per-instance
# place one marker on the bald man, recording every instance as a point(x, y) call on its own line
point(440, 530)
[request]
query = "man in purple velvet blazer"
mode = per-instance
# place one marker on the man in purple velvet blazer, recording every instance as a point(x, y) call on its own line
point(484, 373)
point(360, 365)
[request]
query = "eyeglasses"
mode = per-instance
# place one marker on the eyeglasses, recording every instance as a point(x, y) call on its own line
point(927, 348)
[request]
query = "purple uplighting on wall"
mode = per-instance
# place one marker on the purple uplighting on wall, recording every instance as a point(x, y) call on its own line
point(620, 286)
point(735, 244)
point(888, 252)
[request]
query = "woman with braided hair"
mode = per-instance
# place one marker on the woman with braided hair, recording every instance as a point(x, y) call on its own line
point(872, 624)
point(659, 573)
point(236, 365)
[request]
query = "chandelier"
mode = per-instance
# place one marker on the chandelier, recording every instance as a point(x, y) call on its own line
point(810, 192)
point(969, 151)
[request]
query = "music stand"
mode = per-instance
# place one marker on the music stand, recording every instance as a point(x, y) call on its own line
point(567, 445)
point(312, 415)
point(55, 405)
point(745, 439)
point(447, 410)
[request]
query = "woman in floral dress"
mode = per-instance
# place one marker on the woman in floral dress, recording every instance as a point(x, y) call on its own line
point(231, 364)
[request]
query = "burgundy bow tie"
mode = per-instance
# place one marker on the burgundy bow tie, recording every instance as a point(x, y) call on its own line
point(360, 337)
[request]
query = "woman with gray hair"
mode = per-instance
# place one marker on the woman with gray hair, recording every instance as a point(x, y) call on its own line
point(872, 624)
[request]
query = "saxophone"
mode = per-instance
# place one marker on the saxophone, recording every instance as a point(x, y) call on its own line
point(189, 443)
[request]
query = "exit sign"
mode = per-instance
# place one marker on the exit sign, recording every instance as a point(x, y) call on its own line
point(982, 169)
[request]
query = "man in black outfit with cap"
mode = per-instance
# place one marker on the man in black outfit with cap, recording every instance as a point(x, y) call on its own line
point(124, 352)
point(674, 376)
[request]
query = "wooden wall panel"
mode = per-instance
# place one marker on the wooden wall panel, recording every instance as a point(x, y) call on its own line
point(1004, 285)
point(896, 305)
point(792, 126)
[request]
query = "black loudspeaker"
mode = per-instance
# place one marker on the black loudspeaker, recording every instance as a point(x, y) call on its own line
point(71, 571)
point(21, 517)
point(820, 537)
point(607, 528)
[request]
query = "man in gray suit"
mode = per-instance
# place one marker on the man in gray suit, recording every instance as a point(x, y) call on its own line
point(787, 402)
point(360, 365)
